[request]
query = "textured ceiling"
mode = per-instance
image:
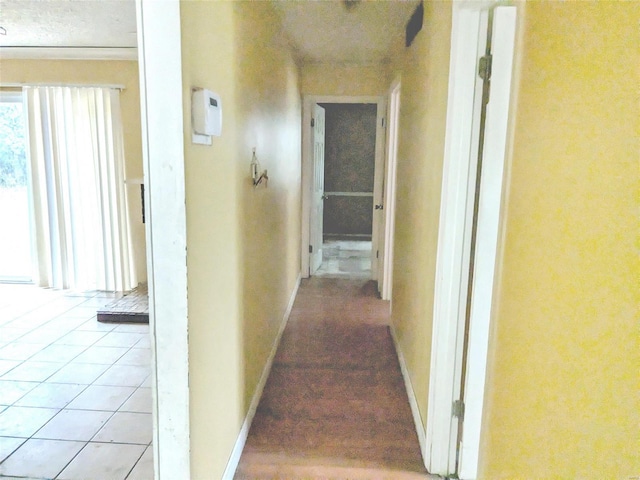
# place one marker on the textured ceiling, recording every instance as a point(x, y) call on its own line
point(319, 30)
point(68, 23)
point(329, 31)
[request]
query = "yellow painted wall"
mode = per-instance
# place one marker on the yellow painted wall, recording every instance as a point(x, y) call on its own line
point(339, 79)
point(424, 72)
point(99, 72)
point(213, 263)
point(268, 98)
point(563, 391)
point(243, 243)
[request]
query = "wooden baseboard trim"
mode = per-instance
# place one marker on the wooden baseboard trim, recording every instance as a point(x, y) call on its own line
point(234, 459)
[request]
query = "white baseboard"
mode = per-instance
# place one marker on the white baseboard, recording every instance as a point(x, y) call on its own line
point(413, 402)
point(234, 459)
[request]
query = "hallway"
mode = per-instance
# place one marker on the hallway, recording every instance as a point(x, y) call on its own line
point(334, 405)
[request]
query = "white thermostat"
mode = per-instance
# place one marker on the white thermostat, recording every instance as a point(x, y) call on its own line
point(206, 115)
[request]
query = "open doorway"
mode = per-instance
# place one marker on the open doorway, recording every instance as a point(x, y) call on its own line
point(349, 174)
point(343, 160)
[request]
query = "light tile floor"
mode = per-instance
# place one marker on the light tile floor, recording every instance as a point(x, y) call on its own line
point(75, 397)
point(345, 259)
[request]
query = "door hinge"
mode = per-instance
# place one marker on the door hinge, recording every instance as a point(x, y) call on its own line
point(484, 67)
point(457, 409)
point(377, 253)
point(383, 122)
point(313, 122)
point(310, 248)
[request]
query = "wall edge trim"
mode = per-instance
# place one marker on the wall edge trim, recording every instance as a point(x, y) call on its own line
point(413, 401)
point(236, 453)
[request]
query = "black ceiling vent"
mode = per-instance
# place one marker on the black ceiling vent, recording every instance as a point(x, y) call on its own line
point(350, 4)
point(414, 25)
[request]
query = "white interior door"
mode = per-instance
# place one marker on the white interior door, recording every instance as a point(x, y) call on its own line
point(468, 40)
point(486, 245)
point(317, 190)
point(385, 259)
point(377, 226)
point(475, 150)
point(474, 161)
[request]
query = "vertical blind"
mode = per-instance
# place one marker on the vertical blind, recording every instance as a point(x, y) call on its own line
point(79, 197)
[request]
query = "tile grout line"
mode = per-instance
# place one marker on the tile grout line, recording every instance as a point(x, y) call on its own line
point(87, 442)
point(85, 445)
point(17, 340)
point(87, 347)
point(108, 443)
point(136, 462)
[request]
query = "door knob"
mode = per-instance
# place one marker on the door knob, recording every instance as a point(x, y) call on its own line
point(324, 197)
point(379, 207)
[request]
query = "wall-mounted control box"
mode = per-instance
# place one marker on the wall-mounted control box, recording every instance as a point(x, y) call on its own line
point(206, 115)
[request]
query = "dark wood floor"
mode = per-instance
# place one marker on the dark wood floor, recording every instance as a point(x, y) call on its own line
point(334, 406)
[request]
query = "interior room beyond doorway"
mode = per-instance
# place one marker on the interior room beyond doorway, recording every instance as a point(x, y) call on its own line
point(346, 258)
point(349, 172)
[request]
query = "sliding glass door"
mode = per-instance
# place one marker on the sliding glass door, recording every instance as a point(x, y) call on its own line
point(16, 259)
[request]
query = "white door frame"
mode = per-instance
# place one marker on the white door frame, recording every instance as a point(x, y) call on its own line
point(307, 170)
point(456, 212)
point(389, 201)
point(487, 240)
point(450, 287)
point(160, 65)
